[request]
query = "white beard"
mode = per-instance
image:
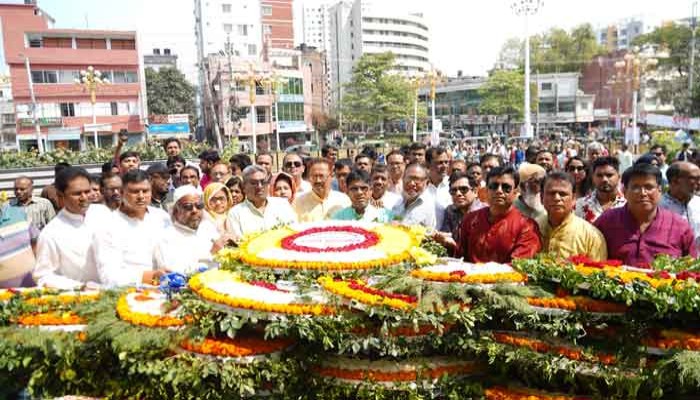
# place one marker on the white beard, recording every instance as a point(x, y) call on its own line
point(533, 201)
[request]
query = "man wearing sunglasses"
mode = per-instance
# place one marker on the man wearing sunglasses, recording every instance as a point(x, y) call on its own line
point(125, 246)
point(294, 166)
point(182, 247)
point(500, 232)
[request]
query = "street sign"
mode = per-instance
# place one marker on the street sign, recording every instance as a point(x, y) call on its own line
point(292, 126)
point(50, 121)
point(97, 127)
point(178, 118)
point(169, 129)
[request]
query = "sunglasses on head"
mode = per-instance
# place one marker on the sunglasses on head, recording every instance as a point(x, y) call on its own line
point(506, 187)
point(461, 189)
point(576, 168)
point(294, 164)
point(191, 206)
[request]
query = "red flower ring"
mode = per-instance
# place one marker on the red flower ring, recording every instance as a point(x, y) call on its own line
point(369, 239)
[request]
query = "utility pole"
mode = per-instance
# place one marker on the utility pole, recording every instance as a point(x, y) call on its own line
point(39, 144)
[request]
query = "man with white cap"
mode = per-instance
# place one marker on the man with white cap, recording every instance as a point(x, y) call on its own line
point(183, 246)
point(529, 202)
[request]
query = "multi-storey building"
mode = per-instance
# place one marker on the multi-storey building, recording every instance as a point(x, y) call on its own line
point(8, 122)
point(361, 27)
point(50, 60)
point(160, 58)
point(621, 34)
point(278, 23)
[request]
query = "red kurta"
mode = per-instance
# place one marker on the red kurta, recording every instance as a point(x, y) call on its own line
point(511, 236)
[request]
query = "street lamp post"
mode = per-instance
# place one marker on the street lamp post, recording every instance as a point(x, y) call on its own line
point(273, 82)
point(526, 8)
point(433, 78)
point(90, 79)
point(416, 83)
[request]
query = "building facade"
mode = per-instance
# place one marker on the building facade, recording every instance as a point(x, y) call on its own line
point(8, 122)
point(360, 27)
point(621, 34)
point(278, 23)
point(229, 26)
point(50, 60)
point(160, 58)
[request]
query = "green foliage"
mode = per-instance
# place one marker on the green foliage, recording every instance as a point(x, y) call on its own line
point(504, 94)
point(375, 96)
point(554, 51)
point(169, 92)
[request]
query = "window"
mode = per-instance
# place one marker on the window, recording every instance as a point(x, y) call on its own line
point(252, 50)
point(123, 44)
point(35, 42)
point(243, 30)
point(226, 8)
point(547, 86)
point(68, 76)
point(267, 29)
point(114, 108)
point(156, 52)
point(91, 43)
point(260, 113)
point(67, 110)
point(124, 77)
point(228, 28)
point(166, 52)
point(266, 10)
point(57, 42)
point(45, 76)
point(37, 76)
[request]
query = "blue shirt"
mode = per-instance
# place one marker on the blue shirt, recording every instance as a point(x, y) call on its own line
point(371, 214)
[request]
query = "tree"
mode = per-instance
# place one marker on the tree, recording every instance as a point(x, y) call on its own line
point(504, 94)
point(169, 92)
point(554, 51)
point(375, 95)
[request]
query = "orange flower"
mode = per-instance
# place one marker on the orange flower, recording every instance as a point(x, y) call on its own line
point(238, 347)
point(63, 299)
point(473, 279)
point(405, 375)
point(50, 318)
point(581, 303)
point(136, 318)
point(354, 290)
point(502, 393)
point(543, 347)
point(673, 339)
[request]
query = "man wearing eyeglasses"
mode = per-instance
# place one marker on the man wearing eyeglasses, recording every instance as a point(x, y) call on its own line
point(125, 247)
point(682, 196)
point(500, 232)
point(418, 206)
point(294, 166)
point(182, 246)
point(258, 211)
point(529, 202)
point(641, 230)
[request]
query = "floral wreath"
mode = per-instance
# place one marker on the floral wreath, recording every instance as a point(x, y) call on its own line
point(242, 349)
point(360, 291)
point(147, 309)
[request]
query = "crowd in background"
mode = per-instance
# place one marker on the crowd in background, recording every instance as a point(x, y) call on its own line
point(494, 202)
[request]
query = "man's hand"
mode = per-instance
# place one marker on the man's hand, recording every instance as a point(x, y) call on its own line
point(152, 277)
point(225, 240)
point(445, 239)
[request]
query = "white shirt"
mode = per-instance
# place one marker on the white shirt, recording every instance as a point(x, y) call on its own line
point(125, 247)
point(64, 256)
point(245, 218)
point(181, 249)
point(304, 187)
point(390, 200)
point(441, 194)
point(420, 212)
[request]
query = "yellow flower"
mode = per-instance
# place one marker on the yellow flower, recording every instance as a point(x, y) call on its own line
point(422, 256)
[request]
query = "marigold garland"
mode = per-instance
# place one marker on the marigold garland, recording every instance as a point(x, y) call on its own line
point(198, 284)
point(502, 393)
point(358, 290)
point(672, 339)
point(406, 374)
point(580, 303)
point(143, 319)
point(543, 347)
point(63, 299)
point(395, 243)
point(472, 279)
point(50, 318)
point(238, 347)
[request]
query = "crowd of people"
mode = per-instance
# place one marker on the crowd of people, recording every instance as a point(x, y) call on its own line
point(129, 226)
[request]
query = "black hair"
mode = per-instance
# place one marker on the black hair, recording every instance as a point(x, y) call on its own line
point(604, 162)
point(134, 176)
point(128, 154)
point(241, 160)
point(210, 155)
point(394, 152)
point(379, 169)
point(192, 168)
point(67, 175)
point(673, 171)
point(342, 163)
point(107, 167)
point(234, 181)
point(647, 158)
point(174, 159)
point(434, 152)
point(169, 140)
point(417, 146)
point(357, 175)
point(489, 156)
point(106, 177)
point(562, 177)
point(501, 171)
point(369, 152)
point(95, 178)
point(531, 153)
point(472, 165)
point(326, 148)
point(60, 167)
point(641, 170)
point(658, 146)
point(363, 155)
point(457, 175)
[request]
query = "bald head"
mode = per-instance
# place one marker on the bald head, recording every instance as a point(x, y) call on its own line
point(684, 180)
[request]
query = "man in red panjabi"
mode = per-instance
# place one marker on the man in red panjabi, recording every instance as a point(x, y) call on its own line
point(500, 232)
